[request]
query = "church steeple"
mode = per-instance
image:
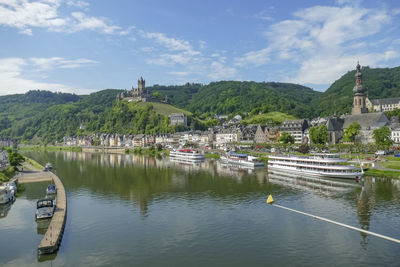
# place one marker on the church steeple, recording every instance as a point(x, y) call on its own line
point(360, 95)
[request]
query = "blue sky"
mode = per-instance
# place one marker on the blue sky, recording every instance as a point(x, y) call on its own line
point(85, 46)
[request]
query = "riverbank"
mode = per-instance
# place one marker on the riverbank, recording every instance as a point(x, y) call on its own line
point(50, 148)
point(382, 173)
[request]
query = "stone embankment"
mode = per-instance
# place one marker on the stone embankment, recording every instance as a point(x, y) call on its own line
point(54, 233)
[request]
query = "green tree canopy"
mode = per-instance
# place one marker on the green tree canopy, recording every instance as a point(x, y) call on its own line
point(319, 134)
point(15, 159)
point(286, 138)
point(350, 133)
point(382, 137)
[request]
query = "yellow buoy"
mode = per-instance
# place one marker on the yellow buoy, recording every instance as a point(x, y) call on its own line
point(270, 200)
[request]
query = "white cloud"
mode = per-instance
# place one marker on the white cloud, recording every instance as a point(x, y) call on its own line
point(79, 4)
point(26, 31)
point(84, 22)
point(24, 15)
point(170, 43)
point(13, 83)
point(13, 78)
point(328, 68)
point(221, 72)
point(322, 41)
point(264, 15)
point(257, 58)
point(59, 62)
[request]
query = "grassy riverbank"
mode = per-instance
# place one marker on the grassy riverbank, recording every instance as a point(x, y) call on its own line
point(212, 156)
point(33, 163)
point(382, 173)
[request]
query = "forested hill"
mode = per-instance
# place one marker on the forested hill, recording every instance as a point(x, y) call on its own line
point(338, 98)
point(232, 97)
point(44, 116)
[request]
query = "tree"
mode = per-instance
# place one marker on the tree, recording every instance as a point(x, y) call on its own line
point(15, 159)
point(350, 133)
point(319, 134)
point(286, 138)
point(303, 149)
point(382, 137)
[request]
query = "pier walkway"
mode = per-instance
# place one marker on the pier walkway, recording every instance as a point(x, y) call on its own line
point(54, 233)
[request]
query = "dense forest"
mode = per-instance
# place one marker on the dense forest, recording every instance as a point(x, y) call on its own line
point(42, 116)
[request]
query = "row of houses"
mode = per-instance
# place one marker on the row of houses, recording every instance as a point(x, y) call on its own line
point(220, 136)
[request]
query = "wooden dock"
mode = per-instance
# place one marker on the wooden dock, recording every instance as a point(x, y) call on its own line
point(54, 233)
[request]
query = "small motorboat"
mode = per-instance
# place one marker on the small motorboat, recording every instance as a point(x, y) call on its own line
point(51, 189)
point(48, 166)
point(44, 208)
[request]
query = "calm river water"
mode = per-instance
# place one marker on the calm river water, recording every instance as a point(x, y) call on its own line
point(126, 210)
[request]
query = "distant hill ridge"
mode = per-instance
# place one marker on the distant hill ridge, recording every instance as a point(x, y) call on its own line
point(46, 116)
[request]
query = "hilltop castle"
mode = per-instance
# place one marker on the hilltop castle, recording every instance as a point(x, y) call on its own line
point(139, 94)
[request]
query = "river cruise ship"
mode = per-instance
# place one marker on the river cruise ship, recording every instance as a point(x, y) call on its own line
point(318, 165)
point(186, 155)
point(242, 159)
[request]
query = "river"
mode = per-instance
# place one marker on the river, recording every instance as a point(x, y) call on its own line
point(126, 210)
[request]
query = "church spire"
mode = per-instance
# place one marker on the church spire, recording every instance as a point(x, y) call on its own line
point(359, 105)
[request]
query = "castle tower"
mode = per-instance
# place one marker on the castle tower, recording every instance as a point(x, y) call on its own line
point(141, 85)
point(360, 94)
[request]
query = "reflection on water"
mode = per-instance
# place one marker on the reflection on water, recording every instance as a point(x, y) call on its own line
point(5, 208)
point(42, 225)
point(323, 186)
point(156, 212)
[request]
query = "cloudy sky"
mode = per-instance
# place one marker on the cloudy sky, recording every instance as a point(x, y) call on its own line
point(85, 46)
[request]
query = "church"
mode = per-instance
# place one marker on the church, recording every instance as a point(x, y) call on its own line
point(368, 121)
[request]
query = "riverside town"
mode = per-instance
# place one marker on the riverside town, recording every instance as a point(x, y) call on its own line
point(256, 134)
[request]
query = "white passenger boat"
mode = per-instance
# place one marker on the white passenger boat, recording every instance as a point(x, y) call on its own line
point(44, 208)
point(186, 155)
point(319, 165)
point(6, 195)
point(242, 159)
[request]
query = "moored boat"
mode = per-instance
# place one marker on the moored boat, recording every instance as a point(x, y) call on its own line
point(318, 165)
point(51, 189)
point(44, 208)
point(187, 155)
point(6, 195)
point(242, 159)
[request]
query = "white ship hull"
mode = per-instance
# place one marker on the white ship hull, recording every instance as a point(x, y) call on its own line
point(245, 163)
point(355, 175)
point(322, 166)
point(186, 156)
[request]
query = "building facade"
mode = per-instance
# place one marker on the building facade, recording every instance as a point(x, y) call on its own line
point(296, 129)
point(178, 119)
point(385, 104)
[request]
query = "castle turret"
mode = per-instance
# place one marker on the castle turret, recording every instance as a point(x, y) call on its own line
point(141, 85)
point(360, 94)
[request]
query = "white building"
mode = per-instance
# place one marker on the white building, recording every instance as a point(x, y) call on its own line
point(226, 136)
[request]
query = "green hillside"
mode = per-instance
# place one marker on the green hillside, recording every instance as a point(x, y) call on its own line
point(165, 109)
point(271, 118)
point(338, 98)
point(48, 116)
point(230, 97)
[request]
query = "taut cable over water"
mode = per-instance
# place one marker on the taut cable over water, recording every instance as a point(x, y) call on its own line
point(270, 201)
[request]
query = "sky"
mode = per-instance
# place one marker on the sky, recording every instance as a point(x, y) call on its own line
point(80, 46)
